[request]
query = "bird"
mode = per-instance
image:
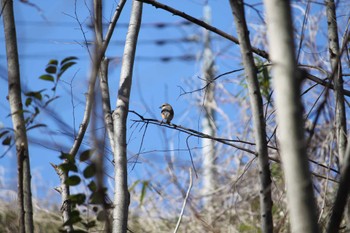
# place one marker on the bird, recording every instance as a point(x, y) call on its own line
point(167, 112)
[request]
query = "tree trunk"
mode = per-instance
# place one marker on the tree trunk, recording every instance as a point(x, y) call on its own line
point(333, 43)
point(208, 122)
point(300, 198)
point(121, 193)
point(340, 120)
point(64, 191)
point(258, 115)
point(342, 195)
point(14, 94)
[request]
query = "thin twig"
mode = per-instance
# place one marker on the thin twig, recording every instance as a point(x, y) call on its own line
point(185, 201)
point(225, 141)
point(211, 81)
point(217, 31)
point(140, 148)
point(189, 151)
point(203, 24)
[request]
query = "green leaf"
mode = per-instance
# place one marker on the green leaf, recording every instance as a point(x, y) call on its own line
point(143, 191)
point(51, 67)
point(28, 101)
point(37, 110)
point(101, 216)
point(68, 157)
point(47, 77)
point(7, 141)
point(64, 68)
point(74, 218)
point(53, 62)
point(97, 198)
point(132, 187)
point(35, 94)
point(73, 180)
point(78, 199)
point(50, 100)
point(36, 126)
point(4, 133)
point(85, 155)
point(66, 167)
point(92, 186)
point(67, 59)
point(90, 171)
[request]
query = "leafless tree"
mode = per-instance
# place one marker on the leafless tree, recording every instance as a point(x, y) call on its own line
point(120, 114)
point(258, 115)
point(335, 55)
point(287, 81)
point(208, 121)
point(335, 60)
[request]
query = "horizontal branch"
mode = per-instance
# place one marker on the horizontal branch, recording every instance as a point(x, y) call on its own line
point(202, 24)
point(193, 132)
point(229, 37)
point(229, 142)
point(325, 83)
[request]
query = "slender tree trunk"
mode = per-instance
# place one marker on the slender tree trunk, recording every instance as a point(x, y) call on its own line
point(14, 87)
point(208, 122)
point(121, 193)
point(106, 103)
point(98, 57)
point(300, 198)
point(342, 195)
point(258, 115)
point(340, 113)
point(100, 146)
point(64, 191)
point(334, 53)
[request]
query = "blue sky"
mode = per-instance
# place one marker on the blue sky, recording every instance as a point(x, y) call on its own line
point(53, 33)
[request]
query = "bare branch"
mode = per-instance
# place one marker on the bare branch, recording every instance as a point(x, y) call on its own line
point(219, 32)
point(184, 203)
point(225, 141)
point(202, 24)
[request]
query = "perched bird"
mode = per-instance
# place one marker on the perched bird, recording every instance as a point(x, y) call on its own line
point(167, 112)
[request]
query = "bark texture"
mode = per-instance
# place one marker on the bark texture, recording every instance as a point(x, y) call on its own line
point(334, 53)
point(342, 195)
point(300, 198)
point(340, 113)
point(258, 115)
point(64, 191)
point(121, 193)
point(14, 95)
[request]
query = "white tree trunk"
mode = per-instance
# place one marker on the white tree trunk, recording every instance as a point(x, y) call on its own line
point(301, 202)
point(121, 193)
point(208, 121)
